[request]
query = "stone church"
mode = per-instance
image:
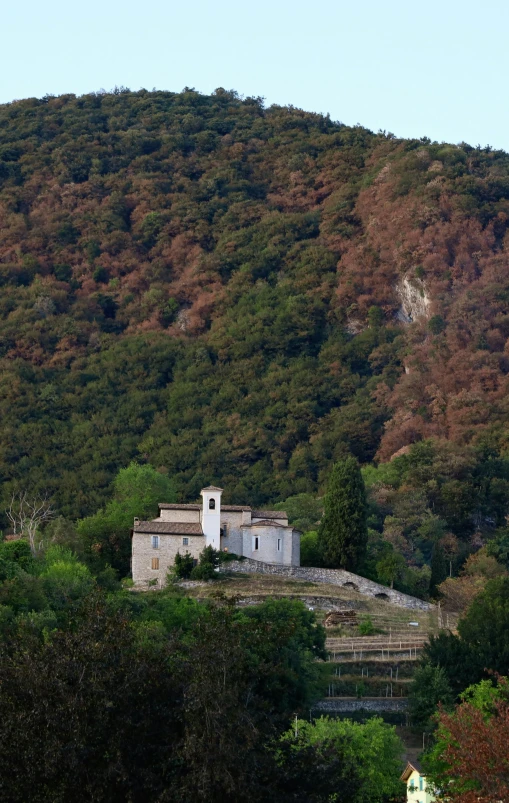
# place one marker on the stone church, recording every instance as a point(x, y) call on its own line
point(263, 535)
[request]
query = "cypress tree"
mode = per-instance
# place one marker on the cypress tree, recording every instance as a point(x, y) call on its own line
point(343, 533)
point(438, 569)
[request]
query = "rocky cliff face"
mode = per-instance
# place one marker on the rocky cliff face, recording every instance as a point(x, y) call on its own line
point(415, 301)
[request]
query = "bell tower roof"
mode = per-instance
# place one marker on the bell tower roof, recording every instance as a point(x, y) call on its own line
point(211, 488)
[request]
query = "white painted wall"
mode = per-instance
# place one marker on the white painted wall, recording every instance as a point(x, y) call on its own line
point(414, 793)
point(267, 551)
point(211, 518)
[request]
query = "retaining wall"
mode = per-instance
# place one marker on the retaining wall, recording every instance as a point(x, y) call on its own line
point(377, 706)
point(335, 577)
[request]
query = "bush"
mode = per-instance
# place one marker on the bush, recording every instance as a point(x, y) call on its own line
point(366, 626)
point(17, 552)
point(309, 551)
point(184, 565)
point(204, 571)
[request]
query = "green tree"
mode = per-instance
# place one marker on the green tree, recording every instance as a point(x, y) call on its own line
point(137, 490)
point(86, 715)
point(310, 554)
point(343, 531)
point(485, 627)
point(469, 753)
point(372, 750)
point(65, 580)
point(482, 643)
point(183, 565)
point(390, 567)
point(438, 569)
point(430, 686)
point(304, 511)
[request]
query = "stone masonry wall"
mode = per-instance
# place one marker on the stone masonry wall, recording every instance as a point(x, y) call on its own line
point(377, 706)
point(169, 545)
point(335, 577)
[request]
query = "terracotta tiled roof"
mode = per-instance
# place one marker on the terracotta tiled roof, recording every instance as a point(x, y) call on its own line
point(268, 514)
point(267, 523)
point(168, 528)
point(174, 506)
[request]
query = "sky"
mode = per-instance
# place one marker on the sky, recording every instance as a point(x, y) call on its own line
point(437, 69)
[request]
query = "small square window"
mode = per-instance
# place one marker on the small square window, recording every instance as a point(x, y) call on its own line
point(155, 563)
point(155, 542)
point(185, 542)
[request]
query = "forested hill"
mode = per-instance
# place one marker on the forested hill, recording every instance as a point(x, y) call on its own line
point(240, 295)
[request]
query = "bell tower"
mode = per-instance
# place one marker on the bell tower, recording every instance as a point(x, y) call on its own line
point(211, 515)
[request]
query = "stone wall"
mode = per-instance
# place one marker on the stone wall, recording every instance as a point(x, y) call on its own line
point(189, 516)
point(314, 603)
point(376, 705)
point(169, 545)
point(335, 577)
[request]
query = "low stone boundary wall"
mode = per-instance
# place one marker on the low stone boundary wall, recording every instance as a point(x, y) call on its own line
point(335, 577)
point(377, 706)
point(312, 602)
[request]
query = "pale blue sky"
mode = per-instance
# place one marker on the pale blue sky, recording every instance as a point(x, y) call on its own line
point(437, 69)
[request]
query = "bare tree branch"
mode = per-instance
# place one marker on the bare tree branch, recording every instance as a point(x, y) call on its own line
point(26, 515)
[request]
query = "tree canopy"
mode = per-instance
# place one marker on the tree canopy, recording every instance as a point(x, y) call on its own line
point(343, 536)
point(215, 288)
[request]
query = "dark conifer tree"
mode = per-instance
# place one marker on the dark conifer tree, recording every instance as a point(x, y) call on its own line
point(343, 531)
point(438, 569)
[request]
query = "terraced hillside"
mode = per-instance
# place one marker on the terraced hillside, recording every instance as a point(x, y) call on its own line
point(377, 666)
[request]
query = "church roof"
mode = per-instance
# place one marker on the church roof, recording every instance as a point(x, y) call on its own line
point(212, 488)
point(168, 528)
point(268, 514)
point(255, 514)
point(268, 523)
point(174, 506)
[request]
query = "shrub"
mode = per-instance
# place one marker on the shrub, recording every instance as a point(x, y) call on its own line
point(309, 549)
point(366, 626)
point(204, 571)
point(184, 565)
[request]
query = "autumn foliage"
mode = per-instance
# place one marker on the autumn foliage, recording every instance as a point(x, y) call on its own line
point(472, 756)
point(215, 287)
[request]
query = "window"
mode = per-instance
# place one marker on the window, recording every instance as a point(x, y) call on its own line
point(185, 542)
point(155, 542)
point(224, 530)
point(155, 563)
point(279, 544)
point(212, 504)
point(421, 787)
point(255, 543)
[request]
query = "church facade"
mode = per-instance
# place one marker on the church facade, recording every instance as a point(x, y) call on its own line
point(263, 535)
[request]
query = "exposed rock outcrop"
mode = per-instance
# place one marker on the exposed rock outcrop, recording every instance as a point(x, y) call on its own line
point(415, 301)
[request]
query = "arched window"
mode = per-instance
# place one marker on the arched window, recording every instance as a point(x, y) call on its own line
point(212, 504)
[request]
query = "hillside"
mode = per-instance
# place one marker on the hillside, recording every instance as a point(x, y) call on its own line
point(240, 295)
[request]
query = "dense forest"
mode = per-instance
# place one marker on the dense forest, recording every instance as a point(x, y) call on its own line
point(244, 295)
